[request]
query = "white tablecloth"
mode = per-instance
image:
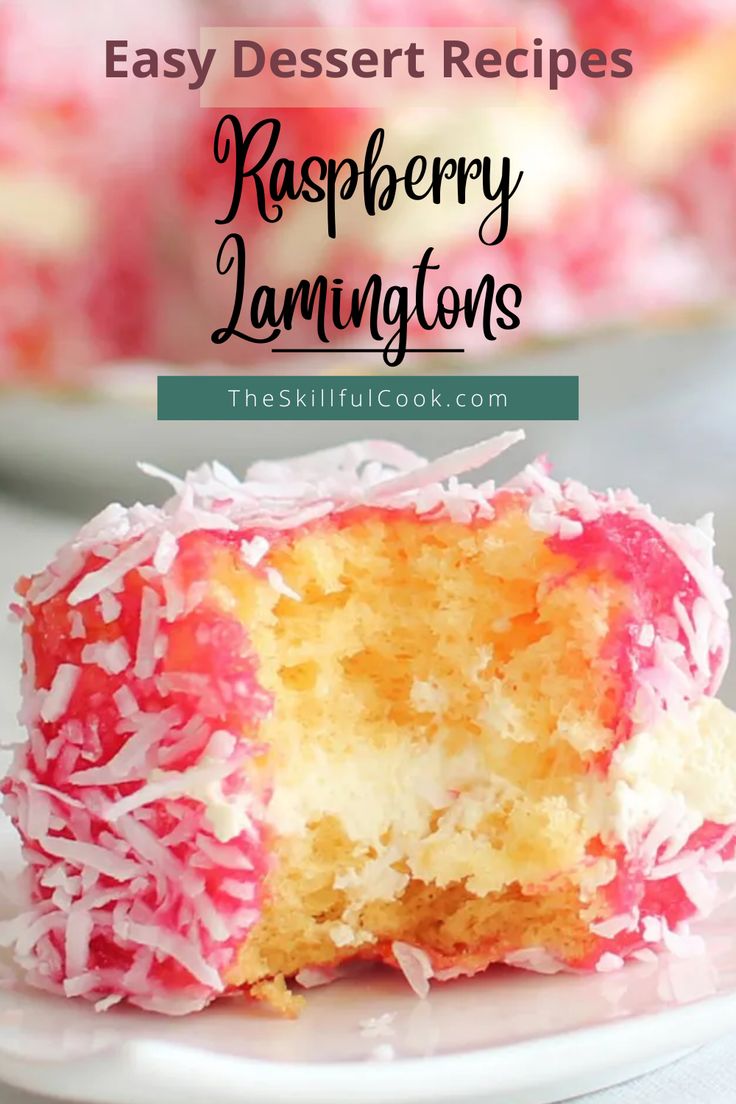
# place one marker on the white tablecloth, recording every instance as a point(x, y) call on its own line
point(27, 540)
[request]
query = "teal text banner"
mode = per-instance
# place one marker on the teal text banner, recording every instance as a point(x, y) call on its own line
point(383, 398)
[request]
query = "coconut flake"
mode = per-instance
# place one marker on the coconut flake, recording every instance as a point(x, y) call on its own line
point(137, 978)
point(176, 484)
point(168, 1005)
point(253, 551)
point(59, 795)
point(454, 463)
point(30, 933)
point(534, 958)
point(701, 889)
point(414, 963)
point(52, 581)
point(110, 606)
point(614, 925)
point(312, 977)
point(682, 942)
point(117, 568)
point(76, 942)
point(112, 656)
point(569, 528)
point(59, 694)
point(276, 580)
point(145, 659)
point(241, 891)
point(90, 855)
point(149, 848)
point(81, 985)
point(108, 1002)
point(38, 814)
point(39, 747)
point(174, 599)
point(223, 854)
point(166, 552)
point(608, 962)
point(644, 954)
point(210, 918)
point(169, 784)
point(126, 701)
point(130, 762)
point(77, 628)
point(170, 943)
point(651, 929)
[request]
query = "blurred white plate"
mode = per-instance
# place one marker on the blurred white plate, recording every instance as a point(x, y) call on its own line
point(509, 1037)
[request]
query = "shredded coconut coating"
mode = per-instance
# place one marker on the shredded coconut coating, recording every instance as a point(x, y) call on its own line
point(129, 793)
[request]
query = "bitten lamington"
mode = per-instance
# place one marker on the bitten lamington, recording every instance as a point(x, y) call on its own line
point(356, 708)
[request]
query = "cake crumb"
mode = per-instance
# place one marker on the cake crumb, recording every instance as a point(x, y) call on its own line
point(376, 1027)
point(276, 993)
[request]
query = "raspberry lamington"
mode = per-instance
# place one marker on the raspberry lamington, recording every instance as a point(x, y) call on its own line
point(355, 707)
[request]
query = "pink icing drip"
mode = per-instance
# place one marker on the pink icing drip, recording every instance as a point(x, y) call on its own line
point(632, 550)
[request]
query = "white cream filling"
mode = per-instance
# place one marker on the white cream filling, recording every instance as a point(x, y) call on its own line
point(372, 796)
point(687, 761)
point(662, 786)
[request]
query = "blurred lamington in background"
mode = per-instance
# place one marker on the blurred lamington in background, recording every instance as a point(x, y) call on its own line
point(109, 189)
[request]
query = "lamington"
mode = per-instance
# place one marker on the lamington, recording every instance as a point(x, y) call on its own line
point(356, 708)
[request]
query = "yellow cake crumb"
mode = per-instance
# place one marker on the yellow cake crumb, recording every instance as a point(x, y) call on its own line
point(276, 994)
point(439, 695)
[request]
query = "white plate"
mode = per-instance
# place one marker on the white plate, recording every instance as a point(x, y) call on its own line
point(509, 1037)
